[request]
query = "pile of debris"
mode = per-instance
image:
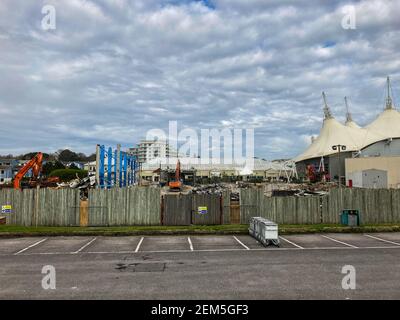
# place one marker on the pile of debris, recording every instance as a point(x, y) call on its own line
point(214, 188)
point(298, 190)
point(83, 185)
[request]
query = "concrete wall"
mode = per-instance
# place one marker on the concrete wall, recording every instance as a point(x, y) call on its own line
point(389, 164)
point(371, 178)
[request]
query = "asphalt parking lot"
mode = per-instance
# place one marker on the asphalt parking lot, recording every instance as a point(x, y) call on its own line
point(202, 267)
point(154, 244)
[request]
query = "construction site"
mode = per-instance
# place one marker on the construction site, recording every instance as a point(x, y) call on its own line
point(342, 156)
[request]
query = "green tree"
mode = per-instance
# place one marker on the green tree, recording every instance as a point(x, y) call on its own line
point(68, 174)
point(68, 155)
point(48, 167)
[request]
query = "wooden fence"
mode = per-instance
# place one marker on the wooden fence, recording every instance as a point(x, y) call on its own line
point(44, 207)
point(286, 210)
point(183, 209)
point(124, 207)
point(376, 206)
point(142, 206)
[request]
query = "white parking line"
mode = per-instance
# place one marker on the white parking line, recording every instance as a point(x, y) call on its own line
point(292, 243)
point(190, 244)
point(243, 245)
point(86, 245)
point(31, 246)
point(212, 250)
point(383, 240)
point(139, 244)
point(341, 242)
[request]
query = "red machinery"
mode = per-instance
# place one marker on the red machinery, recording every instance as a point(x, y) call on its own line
point(35, 164)
point(177, 184)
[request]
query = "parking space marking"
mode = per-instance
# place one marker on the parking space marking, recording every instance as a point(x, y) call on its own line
point(31, 246)
point(292, 243)
point(241, 243)
point(210, 250)
point(85, 246)
point(383, 240)
point(341, 242)
point(139, 244)
point(190, 244)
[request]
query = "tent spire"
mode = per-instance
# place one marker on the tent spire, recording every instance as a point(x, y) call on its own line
point(327, 111)
point(389, 101)
point(349, 118)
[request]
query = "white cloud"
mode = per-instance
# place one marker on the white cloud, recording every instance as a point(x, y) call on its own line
point(115, 68)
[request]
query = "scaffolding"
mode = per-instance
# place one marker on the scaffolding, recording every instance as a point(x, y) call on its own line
point(115, 168)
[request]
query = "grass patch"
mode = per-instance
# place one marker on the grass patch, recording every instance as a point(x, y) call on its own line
point(16, 231)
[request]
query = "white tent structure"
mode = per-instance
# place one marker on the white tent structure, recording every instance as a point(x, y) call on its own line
point(387, 124)
point(349, 119)
point(334, 133)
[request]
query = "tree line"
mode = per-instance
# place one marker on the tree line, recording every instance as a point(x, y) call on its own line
point(62, 155)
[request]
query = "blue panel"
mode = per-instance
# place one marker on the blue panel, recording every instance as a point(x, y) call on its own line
point(109, 168)
point(101, 167)
point(125, 166)
point(115, 168)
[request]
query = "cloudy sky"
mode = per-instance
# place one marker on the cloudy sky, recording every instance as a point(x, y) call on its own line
point(113, 69)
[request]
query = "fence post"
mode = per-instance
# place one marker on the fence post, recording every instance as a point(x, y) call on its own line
point(35, 213)
point(84, 213)
point(162, 211)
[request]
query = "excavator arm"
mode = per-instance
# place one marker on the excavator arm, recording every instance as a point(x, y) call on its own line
point(35, 164)
point(177, 184)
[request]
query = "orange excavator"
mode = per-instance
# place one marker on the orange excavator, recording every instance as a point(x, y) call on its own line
point(177, 184)
point(35, 164)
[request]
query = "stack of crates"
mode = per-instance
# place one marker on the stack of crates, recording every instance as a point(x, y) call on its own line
point(350, 217)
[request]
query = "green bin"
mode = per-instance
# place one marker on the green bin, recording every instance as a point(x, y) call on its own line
point(350, 217)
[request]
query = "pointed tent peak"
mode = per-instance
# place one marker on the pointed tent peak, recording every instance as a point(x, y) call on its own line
point(389, 101)
point(327, 110)
point(349, 118)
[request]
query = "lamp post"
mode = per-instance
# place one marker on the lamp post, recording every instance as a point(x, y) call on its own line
point(339, 148)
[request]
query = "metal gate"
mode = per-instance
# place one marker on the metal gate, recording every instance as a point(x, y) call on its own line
point(207, 209)
point(197, 209)
point(176, 210)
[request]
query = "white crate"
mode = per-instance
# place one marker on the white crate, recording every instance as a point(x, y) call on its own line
point(264, 230)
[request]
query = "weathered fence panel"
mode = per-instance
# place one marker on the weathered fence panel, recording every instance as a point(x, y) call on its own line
point(142, 206)
point(43, 207)
point(376, 206)
point(250, 202)
point(285, 210)
point(214, 209)
point(124, 206)
point(57, 207)
point(177, 210)
point(226, 207)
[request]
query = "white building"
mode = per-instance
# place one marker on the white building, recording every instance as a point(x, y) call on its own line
point(148, 150)
point(7, 167)
point(381, 138)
